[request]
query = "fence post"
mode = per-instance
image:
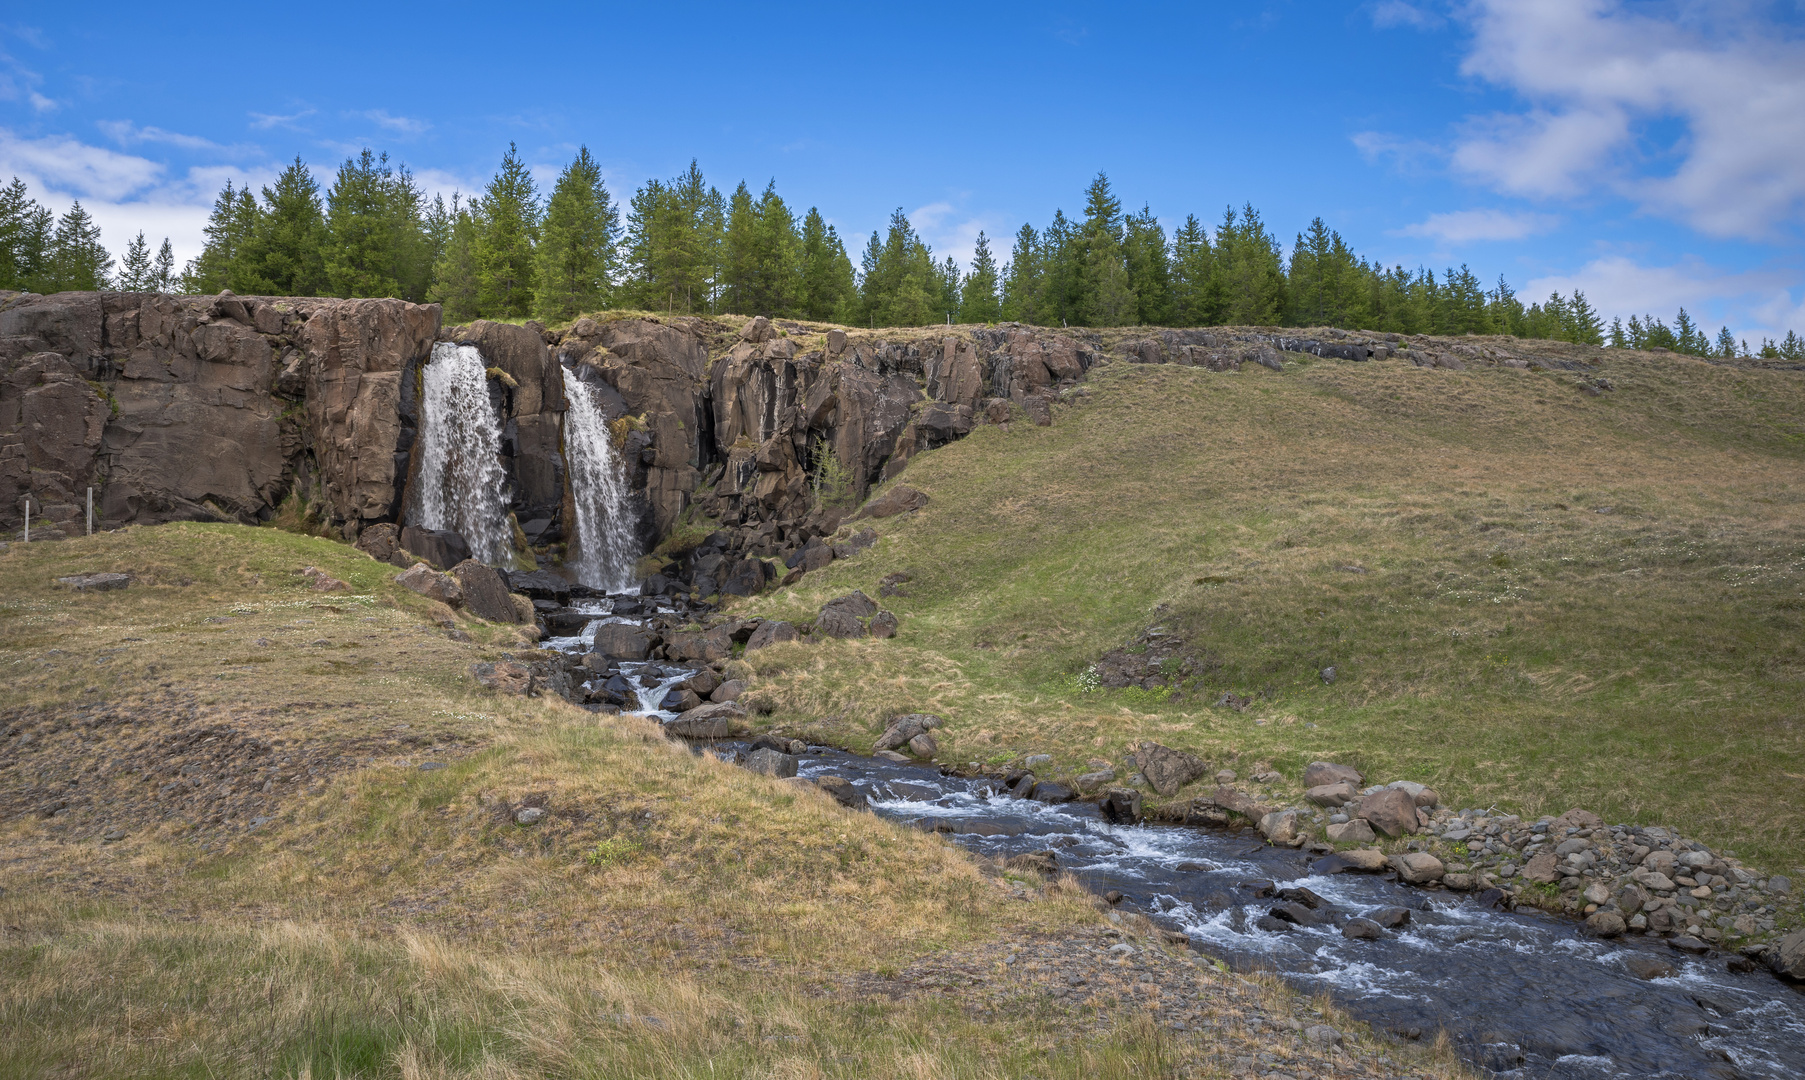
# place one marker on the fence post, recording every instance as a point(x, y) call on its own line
point(28, 519)
point(90, 510)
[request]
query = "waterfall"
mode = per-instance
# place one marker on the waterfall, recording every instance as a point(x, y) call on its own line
point(459, 487)
point(606, 547)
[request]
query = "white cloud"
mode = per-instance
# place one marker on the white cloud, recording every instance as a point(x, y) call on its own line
point(400, 125)
point(1391, 13)
point(1753, 303)
point(1605, 90)
point(125, 133)
point(266, 121)
point(944, 230)
point(1467, 226)
point(63, 163)
point(41, 103)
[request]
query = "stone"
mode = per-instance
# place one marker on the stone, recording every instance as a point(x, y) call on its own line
point(485, 592)
point(537, 584)
point(439, 548)
point(1654, 882)
point(905, 728)
point(529, 815)
point(1541, 868)
point(729, 690)
point(1362, 929)
point(1121, 806)
point(1323, 1034)
point(1327, 674)
point(1788, 958)
point(1647, 967)
point(1779, 885)
point(1320, 773)
point(1391, 811)
point(1390, 917)
point(844, 617)
point(1294, 913)
point(95, 582)
point(1091, 781)
point(891, 755)
point(1605, 924)
point(898, 500)
point(1356, 831)
point(1168, 770)
point(1660, 861)
point(1045, 863)
point(1686, 943)
point(1280, 826)
point(1597, 893)
point(1049, 792)
point(770, 762)
point(431, 584)
point(1332, 795)
point(703, 647)
point(1460, 882)
point(771, 632)
point(884, 625)
point(1632, 899)
point(1370, 860)
point(1037, 761)
point(1427, 798)
point(841, 789)
point(1226, 776)
point(506, 676)
point(623, 641)
point(711, 721)
point(924, 746)
point(704, 682)
point(1577, 819)
point(1417, 867)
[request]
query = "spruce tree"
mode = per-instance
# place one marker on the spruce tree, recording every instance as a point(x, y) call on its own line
point(1253, 281)
point(1584, 325)
point(1686, 335)
point(1503, 310)
point(675, 243)
point(163, 270)
point(283, 254)
point(507, 218)
point(827, 281)
point(78, 260)
point(1022, 279)
point(217, 268)
point(1061, 292)
point(978, 300)
point(376, 243)
point(25, 229)
point(948, 273)
point(1792, 348)
point(901, 286)
point(1147, 260)
point(1726, 343)
point(454, 275)
point(576, 253)
point(1193, 267)
point(136, 272)
point(1618, 338)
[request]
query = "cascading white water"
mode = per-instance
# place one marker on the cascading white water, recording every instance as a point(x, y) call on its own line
point(459, 486)
point(606, 547)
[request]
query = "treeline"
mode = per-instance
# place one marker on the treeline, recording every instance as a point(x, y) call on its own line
point(511, 251)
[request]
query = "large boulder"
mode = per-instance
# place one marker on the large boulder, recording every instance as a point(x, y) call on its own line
point(1417, 867)
point(772, 762)
point(711, 721)
point(898, 500)
point(623, 641)
point(1788, 958)
point(1168, 769)
point(1391, 811)
point(1319, 773)
point(844, 617)
point(1332, 795)
point(771, 632)
point(700, 647)
point(485, 592)
point(431, 584)
point(441, 548)
point(1280, 826)
point(905, 729)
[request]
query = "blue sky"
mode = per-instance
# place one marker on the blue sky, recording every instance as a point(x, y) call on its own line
point(1650, 153)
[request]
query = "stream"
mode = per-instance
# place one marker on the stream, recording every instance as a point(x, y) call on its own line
point(1521, 993)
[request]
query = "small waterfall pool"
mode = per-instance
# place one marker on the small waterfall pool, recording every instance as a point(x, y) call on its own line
point(460, 485)
point(605, 546)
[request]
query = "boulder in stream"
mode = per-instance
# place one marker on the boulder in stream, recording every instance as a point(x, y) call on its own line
point(1168, 769)
point(711, 721)
point(771, 762)
point(1788, 958)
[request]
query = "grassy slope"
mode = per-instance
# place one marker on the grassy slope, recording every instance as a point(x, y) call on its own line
point(1568, 600)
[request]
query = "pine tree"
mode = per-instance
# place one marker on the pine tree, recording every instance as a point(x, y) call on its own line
point(1687, 336)
point(576, 253)
point(761, 269)
point(1635, 337)
point(283, 255)
point(1193, 268)
point(1618, 338)
point(454, 275)
point(675, 245)
point(163, 270)
point(978, 299)
point(25, 229)
point(948, 273)
point(827, 282)
point(376, 243)
point(1148, 261)
point(1252, 279)
point(1504, 312)
point(230, 224)
point(507, 218)
point(1793, 348)
point(136, 273)
point(1583, 326)
point(78, 261)
point(1726, 343)
point(901, 285)
point(1022, 279)
point(1104, 296)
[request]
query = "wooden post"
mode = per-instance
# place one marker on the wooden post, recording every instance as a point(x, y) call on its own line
point(90, 509)
point(28, 519)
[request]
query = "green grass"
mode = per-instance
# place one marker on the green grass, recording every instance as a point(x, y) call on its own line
point(1533, 598)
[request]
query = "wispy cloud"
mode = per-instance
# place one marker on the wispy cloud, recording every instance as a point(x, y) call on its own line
point(1391, 13)
point(400, 125)
point(1754, 303)
point(126, 133)
point(266, 121)
point(1468, 226)
point(64, 163)
point(949, 231)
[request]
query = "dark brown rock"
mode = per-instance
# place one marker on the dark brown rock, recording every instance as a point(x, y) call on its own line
point(507, 677)
point(485, 592)
point(898, 500)
point(1320, 773)
point(1167, 769)
point(771, 632)
point(623, 641)
point(845, 616)
point(1391, 811)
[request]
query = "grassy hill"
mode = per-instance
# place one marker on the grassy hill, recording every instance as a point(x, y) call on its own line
point(1534, 596)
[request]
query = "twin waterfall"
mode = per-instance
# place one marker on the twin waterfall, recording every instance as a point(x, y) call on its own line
point(605, 548)
point(461, 485)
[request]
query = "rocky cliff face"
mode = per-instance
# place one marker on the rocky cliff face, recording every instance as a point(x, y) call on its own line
point(220, 408)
